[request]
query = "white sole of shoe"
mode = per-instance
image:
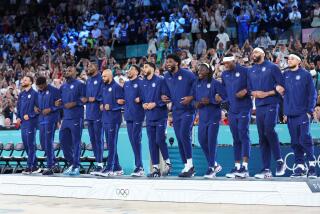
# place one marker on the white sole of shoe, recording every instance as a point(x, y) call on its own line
point(241, 175)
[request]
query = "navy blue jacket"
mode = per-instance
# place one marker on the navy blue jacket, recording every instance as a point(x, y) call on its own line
point(27, 100)
point(151, 91)
point(180, 85)
point(300, 94)
point(72, 91)
point(210, 113)
point(133, 111)
point(93, 88)
point(265, 77)
point(46, 99)
point(234, 81)
point(110, 93)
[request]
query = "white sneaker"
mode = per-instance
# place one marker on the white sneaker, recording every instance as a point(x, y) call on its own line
point(138, 172)
point(264, 174)
point(118, 173)
point(210, 174)
point(106, 173)
point(232, 173)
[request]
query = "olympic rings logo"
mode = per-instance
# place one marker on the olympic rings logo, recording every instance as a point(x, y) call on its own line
point(122, 192)
point(286, 162)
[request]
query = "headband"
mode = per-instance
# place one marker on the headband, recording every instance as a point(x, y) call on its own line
point(295, 56)
point(228, 59)
point(259, 50)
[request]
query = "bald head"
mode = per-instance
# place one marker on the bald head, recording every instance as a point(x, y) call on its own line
point(107, 76)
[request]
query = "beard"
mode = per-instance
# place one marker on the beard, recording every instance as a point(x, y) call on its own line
point(25, 85)
point(171, 68)
point(292, 66)
point(257, 59)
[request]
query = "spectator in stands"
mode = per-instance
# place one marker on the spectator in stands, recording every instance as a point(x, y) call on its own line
point(295, 18)
point(316, 16)
point(223, 38)
point(200, 46)
point(243, 27)
point(184, 43)
point(263, 40)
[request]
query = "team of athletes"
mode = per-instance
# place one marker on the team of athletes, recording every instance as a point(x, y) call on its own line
point(149, 97)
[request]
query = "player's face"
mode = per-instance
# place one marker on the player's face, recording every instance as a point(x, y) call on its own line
point(293, 62)
point(26, 82)
point(257, 56)
point(69, 72)
point(203, 72)
point(147, 70)
point(107, 76)
point(42, 87)
point(132, 72)
point(171, 65)
point(229, 65)
point(91, 69)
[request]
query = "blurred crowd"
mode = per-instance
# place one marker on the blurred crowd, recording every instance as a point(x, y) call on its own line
point(42, 37)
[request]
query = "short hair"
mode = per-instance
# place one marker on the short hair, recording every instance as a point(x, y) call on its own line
point(30, 78)
point(41, 80)
point(151, 65)
point(175, 57)
point(137, 68)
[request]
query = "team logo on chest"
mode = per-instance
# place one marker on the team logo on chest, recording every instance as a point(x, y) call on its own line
point(47, 92)
point(153, 85)
point(29, 96)
point(237, 74)
point(263, 69)
point(110, 89)
point(71, 86)
point(179, 77)
point(95, 82)
point(135, 85)
point(208, 85)
point(298, 77)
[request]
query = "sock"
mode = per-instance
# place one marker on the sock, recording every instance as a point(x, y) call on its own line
point(189, 163)
point(280, 160)
point(215, 163)
point(300, 166)
point(156, 166)
point(312, 163)
point(245, 165)
point(100, 164)
point(237, 165)
point(168, 161)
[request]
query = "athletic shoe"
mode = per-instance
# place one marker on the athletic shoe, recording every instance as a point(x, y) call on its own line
point(264, 174)
point(138, 172)
point(67, 171)
point(299, 173)
point(27, 171)
point(75, 172)
point(106, 173)
point(97, 171)
point(167, 169)
point(155, 173)
point(281, 168)
point(48, 171)
point(56, 169)
point(242, 173)
point(312, 172)
point(232, 173)
point(210, 174)
point(187, 174)
point(118, 173)
point(217, 169)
